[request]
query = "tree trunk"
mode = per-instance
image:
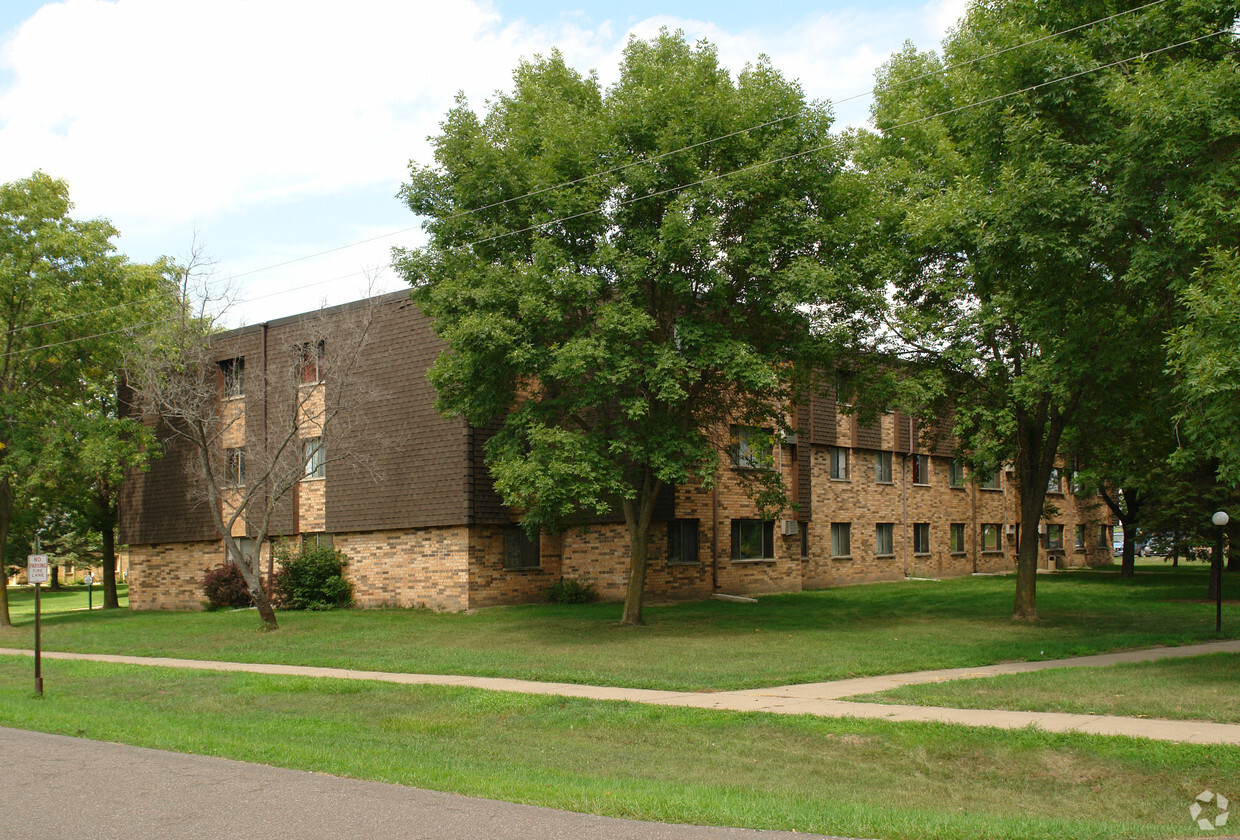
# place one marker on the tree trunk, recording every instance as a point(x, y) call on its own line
point(54, 584)
point(638, 515)
point(1037, 438)
point(6, 516)
point(248, 566)
point(263, 604)
point(1127, 515)
point(1216, 571)
point(1128, 561)
point(110, 601)
point(1025, 607)
point(1233, 536)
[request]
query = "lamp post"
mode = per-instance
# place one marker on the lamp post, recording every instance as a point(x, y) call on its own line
point(1220, 520)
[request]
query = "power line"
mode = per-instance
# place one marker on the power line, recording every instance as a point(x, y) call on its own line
point(646, 161)
point(615, 169)
point(730, 173)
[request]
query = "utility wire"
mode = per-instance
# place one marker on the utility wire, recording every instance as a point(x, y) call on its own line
point(615, 169)
point(752, 167)
point(699, 144)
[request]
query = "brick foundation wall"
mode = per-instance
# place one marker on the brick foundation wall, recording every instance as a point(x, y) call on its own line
point(426, 567)
point(490, 584)
point(601, 554)
point(169, 576)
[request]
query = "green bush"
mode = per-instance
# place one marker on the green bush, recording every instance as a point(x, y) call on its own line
point(572, 591)
point(311, 579)
point(225, 587)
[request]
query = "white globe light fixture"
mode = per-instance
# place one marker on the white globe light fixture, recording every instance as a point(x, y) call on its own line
point(1220, 518)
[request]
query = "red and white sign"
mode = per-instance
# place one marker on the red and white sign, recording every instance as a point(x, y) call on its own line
point(36, 568)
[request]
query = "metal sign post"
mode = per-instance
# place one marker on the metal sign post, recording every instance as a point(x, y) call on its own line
point(36, 573)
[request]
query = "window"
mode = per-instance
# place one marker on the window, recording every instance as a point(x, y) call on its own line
point(989, 480)
point(804, 540)
point(921, 469)
point(1054, 537)
point(682, 541)
point(990, 537)
point(520, 549)
point(955, 473)
point(882, 467)
point(839, 461)
point(1053, 483)
point(884, 539)
point(233, 371)
point(955, 540)
point(921, 538)
point(753, 539)
point(314, 456)
point(1080, 537)
point(310, 362)
point(843, 387)
point(751, 449)
point(1078, 483)
point(234, 466)
point(1104, 536)
point(318, 540)
point(245, 545)
point(841, 539)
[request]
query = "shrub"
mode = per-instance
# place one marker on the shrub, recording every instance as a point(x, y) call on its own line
point(311, 579)
point(572, 591)
point(225, 587)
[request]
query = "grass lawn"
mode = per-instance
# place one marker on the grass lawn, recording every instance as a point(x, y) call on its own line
point(68, 600)
point(794, 638)
point(1195, 688)
point(855, 778)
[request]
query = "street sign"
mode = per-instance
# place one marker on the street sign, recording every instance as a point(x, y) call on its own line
point(36, 568)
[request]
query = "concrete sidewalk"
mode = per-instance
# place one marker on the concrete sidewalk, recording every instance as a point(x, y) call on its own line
point(822, 699)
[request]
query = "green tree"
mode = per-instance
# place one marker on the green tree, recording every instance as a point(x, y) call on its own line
point(620, 274)
point(63, 290)
point(1017, 230)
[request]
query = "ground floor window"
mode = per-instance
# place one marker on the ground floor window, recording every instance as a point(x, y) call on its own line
point(921, 538)
point(884, 539)
point(682, 541)
point(990, 537)
point(841, 539)
point(753, 539)
point(1080, 537)
point(1054, 537)
point(1104, 536)
point(956, 537)
point(804, 540)
point(520, 549)
point(317, 540)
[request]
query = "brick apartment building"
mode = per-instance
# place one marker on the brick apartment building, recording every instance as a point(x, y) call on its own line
point(423, 526)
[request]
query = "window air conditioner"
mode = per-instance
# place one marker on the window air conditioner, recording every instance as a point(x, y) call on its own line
point(791, 527)
point(1011, 530)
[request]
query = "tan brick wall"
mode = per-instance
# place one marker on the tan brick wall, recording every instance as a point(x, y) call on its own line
point(601, 553)
point(311, 505)
point(310, 409)
point(169, 576)
point(490, 584)
point(427, 567)
point(232, 421)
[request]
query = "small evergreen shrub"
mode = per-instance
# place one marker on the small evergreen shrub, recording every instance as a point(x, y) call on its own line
point(572, 591)
point(311, 578)
point(225, 587)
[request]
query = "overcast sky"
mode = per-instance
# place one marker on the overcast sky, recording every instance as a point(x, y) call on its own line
point(272, 130)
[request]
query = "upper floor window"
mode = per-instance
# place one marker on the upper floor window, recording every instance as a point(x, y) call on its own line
point(315, 457)
point(1054, 537)
point(839, 461)
point(310, 362)
point(1054, 482)
point(233, 371)
point(844, 387)
point(882, 467)
point(921, 469)
point(234, 466)
point(989, 480)
point(751, 449)
point(955, 473)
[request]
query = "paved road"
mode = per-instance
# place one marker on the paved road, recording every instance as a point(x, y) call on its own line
point(58, 788)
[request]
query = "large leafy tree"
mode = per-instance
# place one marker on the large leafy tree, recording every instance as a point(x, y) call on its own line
point(65, 292)
point(619, 274)
point(1018, 233)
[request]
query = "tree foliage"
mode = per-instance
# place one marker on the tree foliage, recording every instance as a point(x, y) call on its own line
point(1032, 272)
point(619, 274)
point(67, 300)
